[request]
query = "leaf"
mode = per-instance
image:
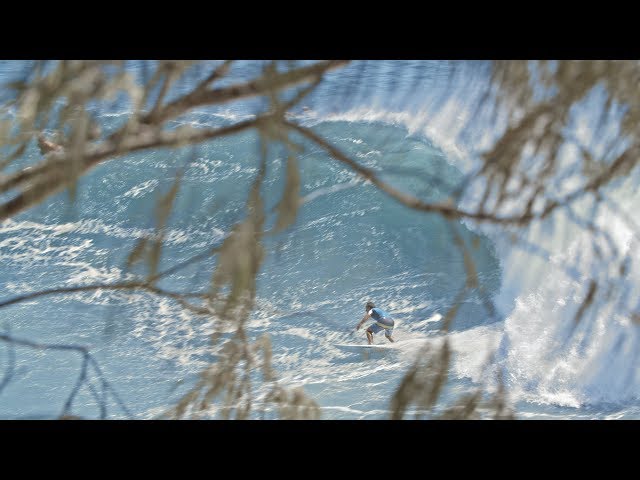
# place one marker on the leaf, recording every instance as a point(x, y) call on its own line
point(163, 209)
point(241, 253)
point(288, 206)
point(238, 261)
point(267, 370)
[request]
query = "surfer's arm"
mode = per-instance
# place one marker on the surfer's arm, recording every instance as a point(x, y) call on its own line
point(364, 319)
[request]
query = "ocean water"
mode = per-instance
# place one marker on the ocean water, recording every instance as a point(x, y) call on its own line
point(350, 244)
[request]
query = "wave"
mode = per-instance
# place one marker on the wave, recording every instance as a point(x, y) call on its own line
point(543, 356)
point(337, 256)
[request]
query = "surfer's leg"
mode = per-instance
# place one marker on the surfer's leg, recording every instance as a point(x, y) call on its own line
point(388, 332)
point(373, 328)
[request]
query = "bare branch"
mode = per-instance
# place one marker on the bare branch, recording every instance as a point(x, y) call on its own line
point(179, 297)
point(49, 178)
point(11, 365)
point(81, 379)
point(219, 72)
point(87, 360)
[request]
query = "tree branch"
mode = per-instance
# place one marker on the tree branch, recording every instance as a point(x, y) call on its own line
point(87, 360)
point(52, 178)
point(179, 297)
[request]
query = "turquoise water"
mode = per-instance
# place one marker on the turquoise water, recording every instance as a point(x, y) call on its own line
point(350, 244)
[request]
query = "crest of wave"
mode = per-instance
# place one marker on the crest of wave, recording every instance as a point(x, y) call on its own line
point(549, 355)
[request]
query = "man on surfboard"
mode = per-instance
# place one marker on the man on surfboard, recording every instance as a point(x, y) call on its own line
point(382, 322)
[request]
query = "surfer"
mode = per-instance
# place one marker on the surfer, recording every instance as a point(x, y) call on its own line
point(382, 322)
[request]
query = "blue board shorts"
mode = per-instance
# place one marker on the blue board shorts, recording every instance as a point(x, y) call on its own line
point(385, 324)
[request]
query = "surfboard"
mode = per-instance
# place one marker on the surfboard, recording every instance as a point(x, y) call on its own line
point(354, 346)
